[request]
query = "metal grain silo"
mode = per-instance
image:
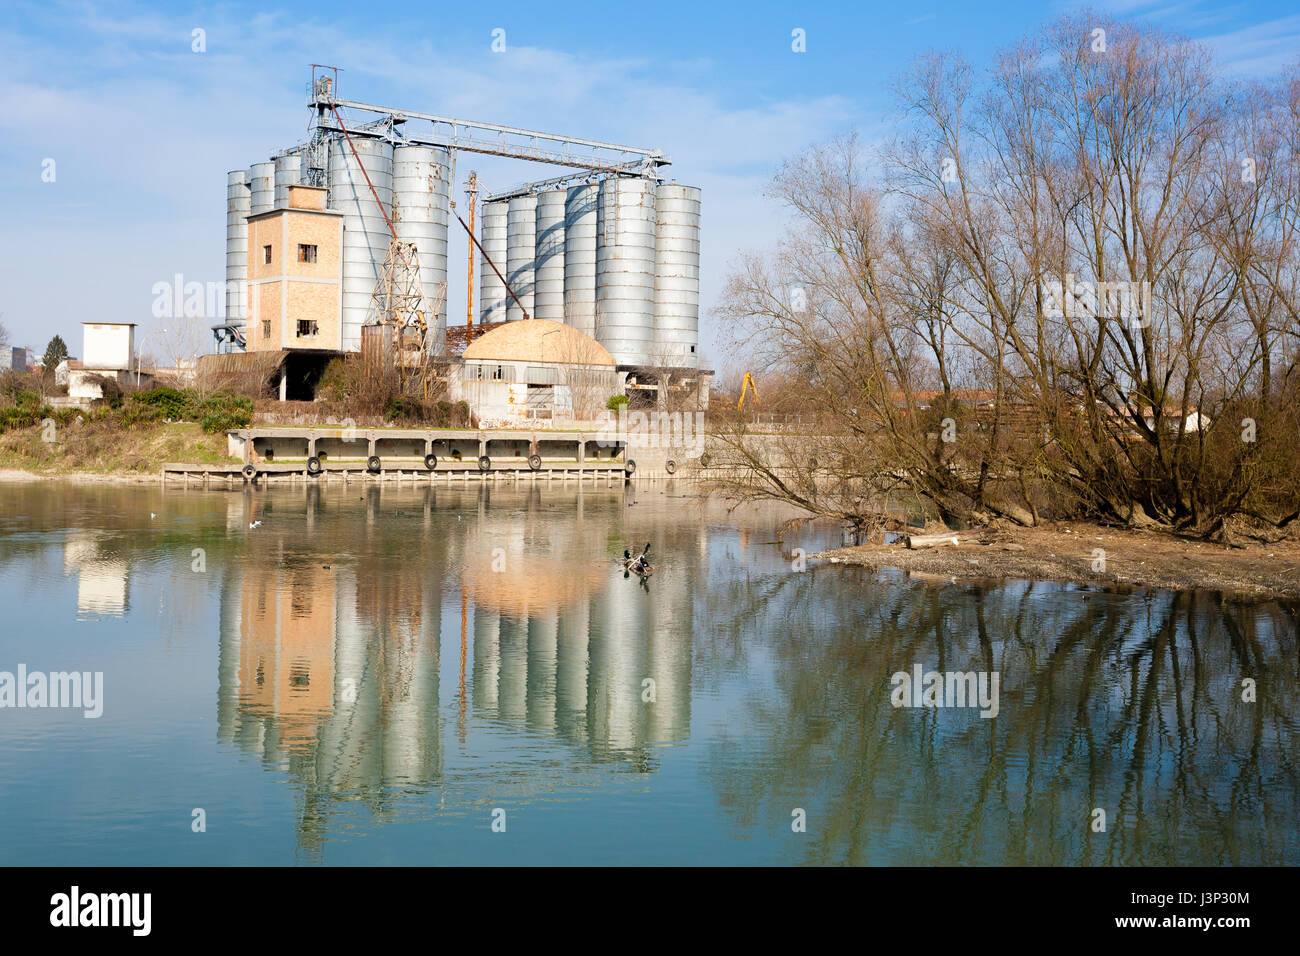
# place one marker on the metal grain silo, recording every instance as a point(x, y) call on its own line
point(580, 257)
point(288, 172)
point(421, 205)
point(677, 276)
point(238, 201)
point(521, 251)
point(625, 269)
point(492, 291)
point(365, 231)
point(548, 293)
point(261, 187)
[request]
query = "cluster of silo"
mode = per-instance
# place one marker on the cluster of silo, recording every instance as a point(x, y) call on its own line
point(248, 192)
point(413, 187)
point(618, 260)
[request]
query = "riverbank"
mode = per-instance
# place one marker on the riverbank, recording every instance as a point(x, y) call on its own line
point(1081, 553)
point(105, 450)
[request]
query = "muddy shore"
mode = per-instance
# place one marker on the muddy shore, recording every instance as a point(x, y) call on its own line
point(18, 475)
point(1074, 553)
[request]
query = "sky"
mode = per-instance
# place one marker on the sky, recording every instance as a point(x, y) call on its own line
point(116, 133)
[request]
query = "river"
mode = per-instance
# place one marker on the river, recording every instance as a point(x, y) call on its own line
point(403, 675)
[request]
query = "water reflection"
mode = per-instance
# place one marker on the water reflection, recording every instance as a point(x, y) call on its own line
point(330, 640)
point(101, 574)
point(1128, 703)
point(423, 654)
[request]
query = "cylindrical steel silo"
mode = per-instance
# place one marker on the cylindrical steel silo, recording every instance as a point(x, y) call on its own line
point(548, 292)
point(580, 257)
point(521, 250)
point(492, 236)
point(261, 187)
point(288, 172)
point(677, 276)
point(625, 269)
point(421, 205)
point(365, 231)
point(238, 202)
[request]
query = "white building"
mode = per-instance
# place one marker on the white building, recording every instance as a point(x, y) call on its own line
point(108, 346)
point(109, 353)
point(535, 372)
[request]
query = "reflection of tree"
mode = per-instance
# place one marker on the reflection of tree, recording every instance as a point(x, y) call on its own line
point(1130, 703)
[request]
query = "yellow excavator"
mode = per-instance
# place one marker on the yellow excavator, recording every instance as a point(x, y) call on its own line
point(745, 387)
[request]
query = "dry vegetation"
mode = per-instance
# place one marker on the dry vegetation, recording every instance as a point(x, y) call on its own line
point(132, 433)
point(939, 319)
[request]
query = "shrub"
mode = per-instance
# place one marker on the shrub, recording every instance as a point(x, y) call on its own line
point(616, 402)
point(172, 404)
point(220, 413)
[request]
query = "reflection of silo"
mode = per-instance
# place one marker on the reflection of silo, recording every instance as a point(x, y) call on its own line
point(580, 257)
point(487, 659)
point(421, 203)
point(349, 755)
point(677, 276)
point(228, 643)
point(288, 172)
point(614, 706)
point(512, 703)
point(521, 251)
point(365, 230)
point(492, 291)
point(625, 269)
point(668, 656)
point(238, 201)
point(571, 670)
point(411, 746)
point(541, 669)
point(261, 188)
point(548, 291)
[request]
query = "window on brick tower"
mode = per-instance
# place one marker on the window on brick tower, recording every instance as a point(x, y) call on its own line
point(307, 326)
point(266, 328)
point(266, 251)
point(306, 253)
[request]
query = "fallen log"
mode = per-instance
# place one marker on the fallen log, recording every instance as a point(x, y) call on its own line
point(915, 541)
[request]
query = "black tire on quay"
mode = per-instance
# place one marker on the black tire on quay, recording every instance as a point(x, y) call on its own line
point(535, 462)
point(670, 466)
point(249, 472)
point(431, 462)
point(629, 466)
point(313, 465)
point(484, 463)
point(373, 464)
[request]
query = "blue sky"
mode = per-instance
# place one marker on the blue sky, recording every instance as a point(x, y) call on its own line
point(142, 129)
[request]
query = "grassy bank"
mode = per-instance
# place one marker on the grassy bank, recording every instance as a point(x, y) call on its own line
point(106, 448)
point(130, 435)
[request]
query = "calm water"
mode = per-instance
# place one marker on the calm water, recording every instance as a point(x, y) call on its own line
point(369, 674)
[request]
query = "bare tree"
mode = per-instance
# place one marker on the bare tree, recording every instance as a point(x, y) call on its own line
point(1067, 291)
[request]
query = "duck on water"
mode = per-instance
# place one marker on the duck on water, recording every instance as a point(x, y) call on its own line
point(640, 564)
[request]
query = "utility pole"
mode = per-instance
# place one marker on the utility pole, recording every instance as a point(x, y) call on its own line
point(469, 292)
